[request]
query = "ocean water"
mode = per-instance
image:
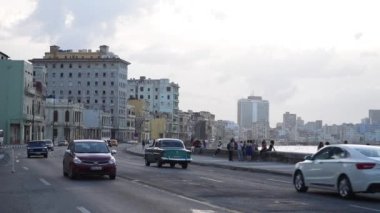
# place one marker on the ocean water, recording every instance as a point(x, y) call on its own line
point(297, 148)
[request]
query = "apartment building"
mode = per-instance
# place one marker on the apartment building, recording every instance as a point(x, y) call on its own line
point(96, 79)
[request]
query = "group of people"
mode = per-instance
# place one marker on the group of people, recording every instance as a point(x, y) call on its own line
point(247, 149)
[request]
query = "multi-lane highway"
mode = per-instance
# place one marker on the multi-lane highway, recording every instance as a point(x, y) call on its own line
point(37, 185)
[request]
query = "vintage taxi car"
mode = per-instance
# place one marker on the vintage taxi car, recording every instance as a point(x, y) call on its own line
point(167, 150)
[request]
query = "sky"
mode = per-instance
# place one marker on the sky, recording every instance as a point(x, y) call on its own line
point(318, 59)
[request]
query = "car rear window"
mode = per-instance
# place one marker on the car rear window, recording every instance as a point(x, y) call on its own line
point(369, 151)
point(91, 147)
point(36, 143)
point(171, 144)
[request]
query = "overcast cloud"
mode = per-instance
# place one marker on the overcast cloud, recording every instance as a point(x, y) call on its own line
point(318, 59)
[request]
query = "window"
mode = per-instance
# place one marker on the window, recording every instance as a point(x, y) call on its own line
point(70, 75)
point(79, 66)
point(104, 74)
point(104, 83)
point(61, 92)
point(104, 92)
point(53, 66)
point(79, 75)
point(88, 92)
point(96, 92)
point(148, 96)
point(79, 92)
point(88, 101)
point(67, 116)
point(88, 75)
point(79, 83)
point(96, 83)
point(88, 83)
point(112, 83)
point(53, 74)
point(141, 89)
point(70, 66)
point(104, 65)
point(156, 97)
point(112, 92)
point(96, 101)
point(168, 89)
point(156, 89)
point(69, 92)
point(61, 74)
point(141, 97)
point(96, 75)
point(55, 116)
point(168, 97)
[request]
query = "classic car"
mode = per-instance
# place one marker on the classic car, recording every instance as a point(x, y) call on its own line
point(167, 150)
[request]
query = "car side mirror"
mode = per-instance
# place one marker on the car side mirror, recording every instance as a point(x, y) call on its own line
point(68, 151)
point(308, 157)
point(113, 152)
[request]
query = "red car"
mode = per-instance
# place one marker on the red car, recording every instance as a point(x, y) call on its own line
point(89, 157)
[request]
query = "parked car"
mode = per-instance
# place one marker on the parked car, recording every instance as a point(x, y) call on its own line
point(167, 150)
point(345, 168)
point(63, 143)
point(89, 157)
point(49, 144)
point(37, 147)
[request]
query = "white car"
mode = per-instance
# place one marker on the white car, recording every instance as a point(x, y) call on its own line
point(345, 168)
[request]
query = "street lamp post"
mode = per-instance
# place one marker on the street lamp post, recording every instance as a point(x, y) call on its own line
point(52, 126)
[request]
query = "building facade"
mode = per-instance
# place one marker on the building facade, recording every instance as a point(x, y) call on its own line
point(162, 98)
point(22, 104)
point(96, 79)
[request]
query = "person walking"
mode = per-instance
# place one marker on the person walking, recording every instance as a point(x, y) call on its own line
point(240, 151)
point(230, 149)
point(320, 145)
point(271, 146)
point(219, 147)
point(249, 150)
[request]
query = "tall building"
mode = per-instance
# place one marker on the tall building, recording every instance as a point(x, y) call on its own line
point(97, 79)
point(374, 116)
point(22, 105)
point(252, 110)
point(289, 125)
point(161, 97)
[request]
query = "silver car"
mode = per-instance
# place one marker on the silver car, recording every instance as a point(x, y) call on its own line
point(345, 168)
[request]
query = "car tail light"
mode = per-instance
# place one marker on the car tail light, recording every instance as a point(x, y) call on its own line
point(365, 165)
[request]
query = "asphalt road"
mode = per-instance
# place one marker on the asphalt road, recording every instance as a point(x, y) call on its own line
point(39, 186)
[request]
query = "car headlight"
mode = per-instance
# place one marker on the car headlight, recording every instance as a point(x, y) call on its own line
point(112, 160)
point(77, 160)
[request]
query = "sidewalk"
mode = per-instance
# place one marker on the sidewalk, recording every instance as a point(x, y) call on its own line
point(251, 166)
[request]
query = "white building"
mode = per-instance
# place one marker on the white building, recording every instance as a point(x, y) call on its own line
point(96, 79)
point(161, 96)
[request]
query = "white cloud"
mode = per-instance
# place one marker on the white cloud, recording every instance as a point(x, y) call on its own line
point(318, 59)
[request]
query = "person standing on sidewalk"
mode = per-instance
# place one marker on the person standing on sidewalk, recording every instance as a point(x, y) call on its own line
point(230, 148)
point(219, 147)
point(240, 151)
point(249, 150)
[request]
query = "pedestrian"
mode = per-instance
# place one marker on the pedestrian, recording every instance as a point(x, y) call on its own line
point(263, 148)
point(240, 151)
point(327, 143)
point(230, 149)
point(345, 142)
point(143, 144)
point(320, 145)
point(249, 150)
point(271, 146)
point(243, 149)
point(219, 147)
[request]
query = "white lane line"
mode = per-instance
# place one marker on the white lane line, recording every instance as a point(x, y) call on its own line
point(280, 181)
point(210, 179)
point(45, 182)
point(25, 168)
point(201, 211)
point(82, 209)
point(17, 161)
point(366, 208)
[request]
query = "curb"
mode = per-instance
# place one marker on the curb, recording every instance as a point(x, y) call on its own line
point(254, 170)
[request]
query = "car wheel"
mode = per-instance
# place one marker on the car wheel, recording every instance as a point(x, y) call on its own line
point(45, 156)
point(64, 173)
point(28, 156)
point(71, 173)
point(299, 182)
point(172, 165)
point(159, 163)
point(147, 163)
point(344, 188)
point(184, 166)
point(112, 177)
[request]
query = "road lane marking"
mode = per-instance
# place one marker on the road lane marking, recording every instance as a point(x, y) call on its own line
point(45, 182)
point(201, 211)
point(210, 179)
point(366, 208)
point(25, 168)
point(280, 181)
point(82, 209)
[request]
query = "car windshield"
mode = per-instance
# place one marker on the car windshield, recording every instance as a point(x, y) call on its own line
point(369, 151)
point(36, 143)
point(171, 143)
point(91, 147)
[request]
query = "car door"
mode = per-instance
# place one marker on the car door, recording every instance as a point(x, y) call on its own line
point(316, 171)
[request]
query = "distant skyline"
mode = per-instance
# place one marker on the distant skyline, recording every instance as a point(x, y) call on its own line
point(317, 59)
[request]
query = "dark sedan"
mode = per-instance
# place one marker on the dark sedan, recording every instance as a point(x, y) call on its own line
point(89, 157)
point(37, 148)
point(168, 150)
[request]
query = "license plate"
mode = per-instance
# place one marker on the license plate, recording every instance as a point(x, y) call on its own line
point(96, 168)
